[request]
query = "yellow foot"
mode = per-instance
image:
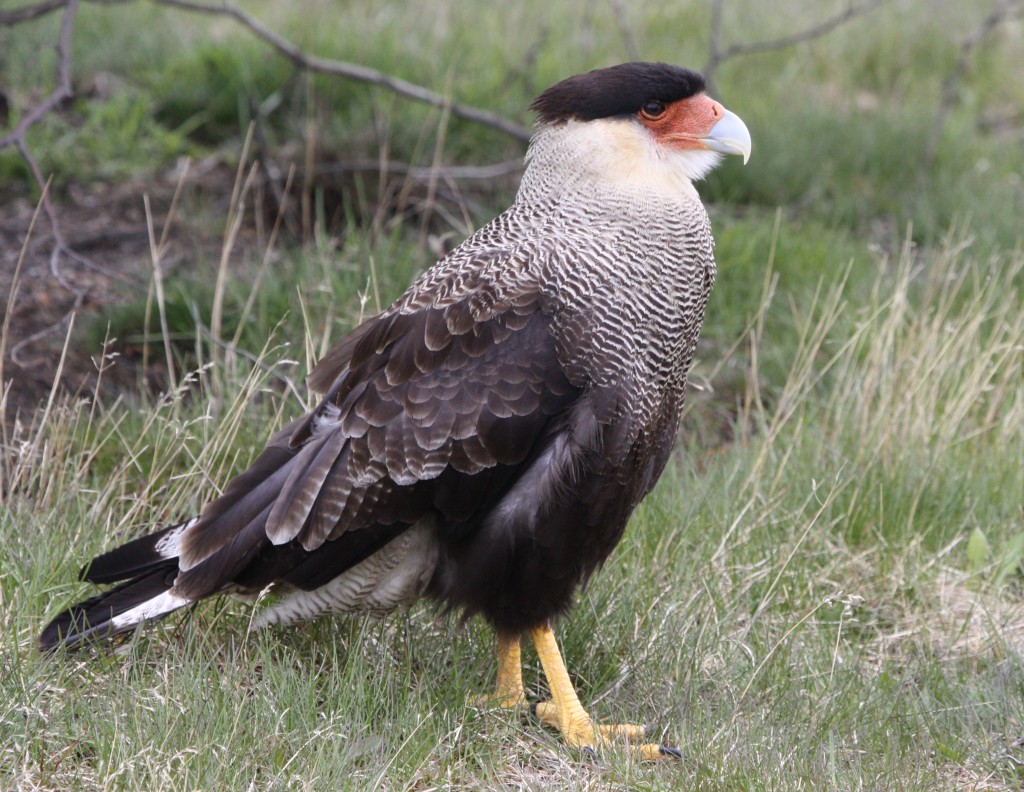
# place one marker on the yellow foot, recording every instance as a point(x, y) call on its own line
point(627, 732)
point(565, 713)
point(581, 732)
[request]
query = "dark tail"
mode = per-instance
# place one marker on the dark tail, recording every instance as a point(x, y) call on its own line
point(148, 566)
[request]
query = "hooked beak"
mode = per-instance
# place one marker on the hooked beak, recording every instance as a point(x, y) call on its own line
point(729, 135)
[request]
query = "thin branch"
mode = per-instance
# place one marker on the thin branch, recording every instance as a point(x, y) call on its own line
point(718, 54)
point(354, 71)
point(816, 31)
point(17, 137)
point(62, 92)
point(273, 369)
point(28, 13)
point(1001, 11)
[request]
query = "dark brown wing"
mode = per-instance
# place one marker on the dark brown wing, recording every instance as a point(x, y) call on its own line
point(431, 411)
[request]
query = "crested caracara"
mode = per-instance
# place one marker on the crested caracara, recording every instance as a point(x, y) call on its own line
point(484, 440)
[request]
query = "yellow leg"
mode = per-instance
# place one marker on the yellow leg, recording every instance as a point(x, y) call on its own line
point(509, 691)
point(565, 713)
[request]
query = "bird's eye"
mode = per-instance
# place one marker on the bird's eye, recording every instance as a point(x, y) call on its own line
point(653, 110)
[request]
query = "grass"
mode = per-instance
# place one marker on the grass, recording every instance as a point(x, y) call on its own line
point(809, 614)
point(824, 591)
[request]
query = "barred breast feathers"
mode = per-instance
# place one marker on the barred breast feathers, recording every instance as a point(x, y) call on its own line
point(622, 264)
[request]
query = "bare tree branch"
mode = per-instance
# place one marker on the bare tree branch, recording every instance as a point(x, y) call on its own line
point(425, 172)
point(719, 54)
point(17, 137)
point(1003, 10)
point(28, 13)
point(354, 71)
point(62, 91)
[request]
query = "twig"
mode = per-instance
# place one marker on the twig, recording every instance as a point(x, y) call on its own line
point(273, 369)
point(1001, 11)
point(28, 13)
point(65, 320)
point(17, 137)
point(718, 54)
point(5, 328)
point(59, 94)
point(271, 171)
point(63, 91)
point(354, 71)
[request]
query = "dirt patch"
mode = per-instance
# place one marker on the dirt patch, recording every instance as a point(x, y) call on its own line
point(106, 228)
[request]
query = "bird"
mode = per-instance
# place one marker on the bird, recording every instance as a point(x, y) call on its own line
point(483, 441)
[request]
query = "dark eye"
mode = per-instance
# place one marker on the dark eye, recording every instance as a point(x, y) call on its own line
point(653, 110)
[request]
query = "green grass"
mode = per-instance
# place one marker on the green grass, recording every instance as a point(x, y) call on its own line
point(825, 589)
point(810, 611)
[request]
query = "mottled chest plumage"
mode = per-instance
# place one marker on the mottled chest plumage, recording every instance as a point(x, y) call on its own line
point(624, 281)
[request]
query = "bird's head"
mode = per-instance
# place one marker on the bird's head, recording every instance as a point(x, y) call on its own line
point(642, 122)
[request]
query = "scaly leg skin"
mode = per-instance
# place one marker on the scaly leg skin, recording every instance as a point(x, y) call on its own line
point(565, 713)
point(509, 692)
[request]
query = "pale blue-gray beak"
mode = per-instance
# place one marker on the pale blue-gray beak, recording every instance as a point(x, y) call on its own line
point(729, 135)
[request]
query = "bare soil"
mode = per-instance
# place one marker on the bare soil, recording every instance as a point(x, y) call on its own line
point(105, 226)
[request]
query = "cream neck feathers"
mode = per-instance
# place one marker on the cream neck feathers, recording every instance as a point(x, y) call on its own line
point(611, 156)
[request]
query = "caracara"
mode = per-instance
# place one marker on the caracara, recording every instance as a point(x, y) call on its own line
point(484, 440)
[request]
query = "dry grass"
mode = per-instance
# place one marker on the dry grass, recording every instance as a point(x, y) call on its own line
point(808, 613)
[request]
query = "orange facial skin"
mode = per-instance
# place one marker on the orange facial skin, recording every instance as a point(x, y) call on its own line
point(683, 123)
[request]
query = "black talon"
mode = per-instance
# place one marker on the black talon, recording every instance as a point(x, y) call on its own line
point(665, 750)
point(590, 752)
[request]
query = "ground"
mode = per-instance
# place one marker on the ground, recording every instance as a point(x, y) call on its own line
point(106, 225)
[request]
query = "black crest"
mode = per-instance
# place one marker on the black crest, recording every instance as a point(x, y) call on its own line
point(617, 90)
